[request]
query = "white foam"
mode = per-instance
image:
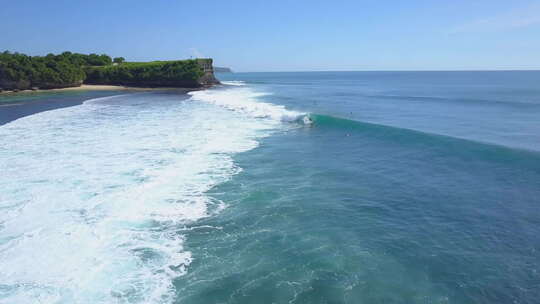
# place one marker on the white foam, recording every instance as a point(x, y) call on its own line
point(247, 101)
point(234, 83)
point(95, 197)
point(104, 99)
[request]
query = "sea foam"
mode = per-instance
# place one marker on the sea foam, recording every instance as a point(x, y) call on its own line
point(234, 83)
point(95, 197)
point(247, 101)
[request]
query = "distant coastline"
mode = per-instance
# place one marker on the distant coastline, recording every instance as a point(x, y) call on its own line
point(222, 70)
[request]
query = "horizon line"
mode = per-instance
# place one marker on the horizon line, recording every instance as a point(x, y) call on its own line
point(442, 70)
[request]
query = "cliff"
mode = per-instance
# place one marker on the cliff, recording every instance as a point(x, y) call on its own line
point(208, 77)
point(21, 72)
point(178, 73)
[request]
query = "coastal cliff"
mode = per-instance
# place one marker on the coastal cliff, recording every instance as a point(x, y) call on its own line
point(22, 72)
point(208, 77)
point(179, 73)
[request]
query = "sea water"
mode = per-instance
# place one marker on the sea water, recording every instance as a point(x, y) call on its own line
point(323, 187)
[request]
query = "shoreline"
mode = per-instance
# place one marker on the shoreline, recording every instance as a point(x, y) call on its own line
point(96, 87)
point(15, 105)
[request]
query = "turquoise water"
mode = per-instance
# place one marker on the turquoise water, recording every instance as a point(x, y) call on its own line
point(401, 187)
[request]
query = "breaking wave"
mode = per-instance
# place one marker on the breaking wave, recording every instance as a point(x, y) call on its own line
point(95, 197)
point(234, 83)
point(248, 102)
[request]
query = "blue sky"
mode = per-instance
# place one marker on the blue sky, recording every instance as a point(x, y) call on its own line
point(290, 35)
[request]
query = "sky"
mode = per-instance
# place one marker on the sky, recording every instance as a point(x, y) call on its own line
point(252, 35)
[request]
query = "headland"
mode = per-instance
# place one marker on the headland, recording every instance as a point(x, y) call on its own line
point(72, 71)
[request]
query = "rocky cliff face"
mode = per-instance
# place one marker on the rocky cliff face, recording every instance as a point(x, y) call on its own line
point(208, 78)
point(14, 85)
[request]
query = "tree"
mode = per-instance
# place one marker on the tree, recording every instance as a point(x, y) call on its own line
point(19, 71)
point(119, 60)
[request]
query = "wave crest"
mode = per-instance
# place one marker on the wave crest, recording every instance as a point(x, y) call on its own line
point(234, 83)
point(246, 101)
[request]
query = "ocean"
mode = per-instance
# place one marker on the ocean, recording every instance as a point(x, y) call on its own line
point(308, 187)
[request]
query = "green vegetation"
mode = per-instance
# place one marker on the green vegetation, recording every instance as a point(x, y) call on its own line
point(156, 73)
point(19, 71)
point(119, 60)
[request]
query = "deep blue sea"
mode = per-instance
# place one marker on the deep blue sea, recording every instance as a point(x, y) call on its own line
point(315, 187)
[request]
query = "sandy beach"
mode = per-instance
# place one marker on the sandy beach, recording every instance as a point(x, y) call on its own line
point(90, 87)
